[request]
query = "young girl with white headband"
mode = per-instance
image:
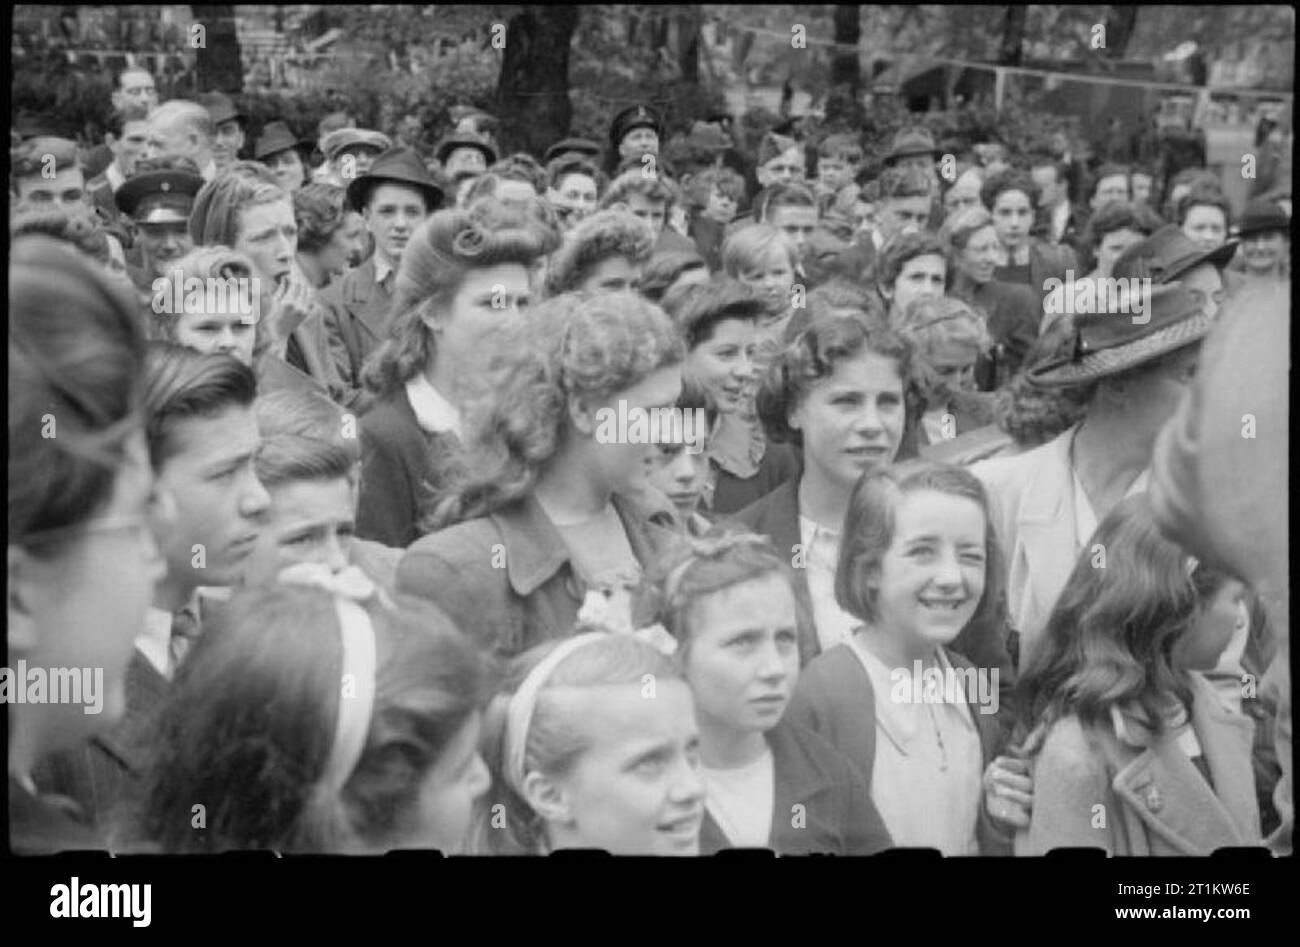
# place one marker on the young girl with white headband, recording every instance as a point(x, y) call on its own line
point(770, 784)
point(263, 748)
point(593, 744)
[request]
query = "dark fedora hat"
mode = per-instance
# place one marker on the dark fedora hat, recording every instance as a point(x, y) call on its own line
point(158, 197)
point(638, 116)
point(1263, 216)
point(220, 107)
point(909, 142)
point(398, 165)
point(1166, 255)
point(464, 140)
point(582, 146)
point(275, 138)
point(1108, 343)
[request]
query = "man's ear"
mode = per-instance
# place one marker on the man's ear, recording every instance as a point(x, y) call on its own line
point(548, 799)
point(22, 598)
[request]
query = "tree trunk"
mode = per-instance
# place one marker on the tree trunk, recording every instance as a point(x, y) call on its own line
point(532, 98)
point(842, 101)
point(689, 20)
point(1013, 36)
point(218, 63)
point(1121, 21)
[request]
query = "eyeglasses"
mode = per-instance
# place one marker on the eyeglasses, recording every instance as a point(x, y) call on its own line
point(159, 510)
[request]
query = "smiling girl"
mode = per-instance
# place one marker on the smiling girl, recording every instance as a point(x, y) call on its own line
point(919, 566)
point(593, 744)
point(770, 783)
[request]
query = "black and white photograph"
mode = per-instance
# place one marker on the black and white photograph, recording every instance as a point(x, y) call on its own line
point(653, 430)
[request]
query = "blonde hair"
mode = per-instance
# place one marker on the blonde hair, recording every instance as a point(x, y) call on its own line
point(750, 246)
point(574, 344)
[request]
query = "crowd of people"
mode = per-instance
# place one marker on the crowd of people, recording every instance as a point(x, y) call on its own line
point(308, 459)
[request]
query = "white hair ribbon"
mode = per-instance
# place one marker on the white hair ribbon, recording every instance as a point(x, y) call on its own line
point(350, 588)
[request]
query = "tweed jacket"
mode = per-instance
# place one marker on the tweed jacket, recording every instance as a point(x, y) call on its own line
point(507, 579)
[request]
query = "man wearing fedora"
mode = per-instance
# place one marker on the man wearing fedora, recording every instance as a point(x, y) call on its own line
point(1048, 501)
point(1169, 256)
point(227, 128)
point(634, 132)
point(394, 197)
point(282, 151)
point(158, 199)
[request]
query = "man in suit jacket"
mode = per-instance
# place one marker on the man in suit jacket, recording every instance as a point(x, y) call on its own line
point(394, 197)
point(1048, 501)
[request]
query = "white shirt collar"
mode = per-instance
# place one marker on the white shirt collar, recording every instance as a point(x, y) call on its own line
point(114, 177)
point(155, 642)
point(209, 171)
point(434, 413)
point(383, 266)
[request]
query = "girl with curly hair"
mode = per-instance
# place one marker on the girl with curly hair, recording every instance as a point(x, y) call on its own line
point(464, 277)
point(541, 508)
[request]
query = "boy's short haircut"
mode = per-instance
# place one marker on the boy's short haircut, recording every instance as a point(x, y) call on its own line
point(841, 146)
point(1204, 194)
point(749, 246)
point(1009, 180)
point(792, 194)
point(565, 165)
point(181, 384)
point(1109, 170)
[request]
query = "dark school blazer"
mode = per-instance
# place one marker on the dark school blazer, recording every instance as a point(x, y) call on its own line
point(838, 816)
point(356, 321)
point(400, 464)
point(777, 517)
point(835, 698)
point(525, 592)
point(105, 772)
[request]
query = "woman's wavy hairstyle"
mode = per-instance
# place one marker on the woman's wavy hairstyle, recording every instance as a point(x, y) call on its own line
point(515, 421)
point(209, 263)
point(252, 714)
point(319, 210)
point(1110, 641)
point(1033, 414)
point(904, 247)
point(556, 738)
point(444, 248)
point(605, 234)
point(811, 356)
point(77, 353)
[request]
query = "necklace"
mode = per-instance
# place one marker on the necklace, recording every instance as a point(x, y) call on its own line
point(938, 736)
